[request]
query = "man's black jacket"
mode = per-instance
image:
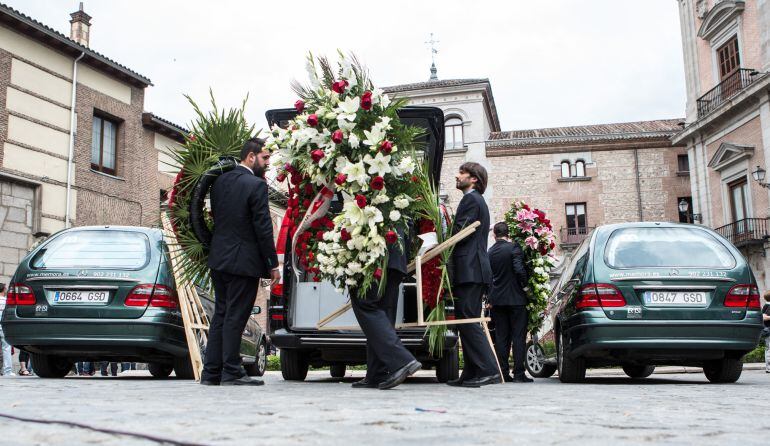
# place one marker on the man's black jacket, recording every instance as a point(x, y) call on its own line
point(470, 261)
point(243, 230)
point(509, 274)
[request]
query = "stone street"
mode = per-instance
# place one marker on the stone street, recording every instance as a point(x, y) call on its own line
point(670, 408)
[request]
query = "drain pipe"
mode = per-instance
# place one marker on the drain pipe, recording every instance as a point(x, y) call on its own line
point(638, 185)
point(72, 139)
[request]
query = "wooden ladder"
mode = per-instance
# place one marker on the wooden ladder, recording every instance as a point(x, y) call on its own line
point(196, 322)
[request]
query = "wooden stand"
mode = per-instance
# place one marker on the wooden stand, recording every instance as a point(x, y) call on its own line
point(416, 267)
point(194, 318)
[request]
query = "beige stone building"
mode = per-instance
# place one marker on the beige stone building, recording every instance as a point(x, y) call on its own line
point(727, 134)
point(582, 176)
point(72, 131)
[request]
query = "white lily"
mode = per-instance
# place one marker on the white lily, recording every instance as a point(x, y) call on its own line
point(356, 173)
point(379, 164)
point(347, 109)
point(380, 198)
point(374, 136)
point(354, 141)
point(394, 215)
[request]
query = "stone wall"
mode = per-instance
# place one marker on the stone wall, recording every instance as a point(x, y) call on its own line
point(16, 225)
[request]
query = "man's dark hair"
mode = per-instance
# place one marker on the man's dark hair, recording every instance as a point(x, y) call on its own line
point(477, 171)
point(253, 145)
point(2, 288)
point(501, 229)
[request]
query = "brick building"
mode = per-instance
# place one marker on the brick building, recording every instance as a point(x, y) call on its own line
point(726, 48)
point(582, 176)
point(71, 132)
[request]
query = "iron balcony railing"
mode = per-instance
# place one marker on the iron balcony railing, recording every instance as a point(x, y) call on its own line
point(726, 89)
point(745, 232)
point(573, 236)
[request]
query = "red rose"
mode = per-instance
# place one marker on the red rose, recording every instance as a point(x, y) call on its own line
point(305, 203)
point(340, 179)
point(366, 100)
point(299, 105)
point(391, 237)
point(317, 154)
point(289, 168)
point(315, 224)
point(295, 179)
point(295, 214)
point(525, 206)
point(316, 279)
point(339, 86)
point(345, 235)
point(377, 183)
point(329, 224)
point(319, 235)
point(386, 147)
point(361, 201)
point(415, 179)
point(281, 177)
point(378, 273)
point(308, 189)
point(552, 245)
point(337, 136)
point(294, 202)
point(312, 120)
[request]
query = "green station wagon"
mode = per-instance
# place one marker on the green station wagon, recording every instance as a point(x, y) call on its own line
point(106, 294)
point(645, 294)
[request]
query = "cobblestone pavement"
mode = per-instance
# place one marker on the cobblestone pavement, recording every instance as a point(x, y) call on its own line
point(672, 408)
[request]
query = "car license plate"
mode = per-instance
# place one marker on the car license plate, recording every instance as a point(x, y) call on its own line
point(80, 297)
point(676, 298)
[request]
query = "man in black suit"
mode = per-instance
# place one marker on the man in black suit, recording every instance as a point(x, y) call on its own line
point(509, 302)
point(242, 251)
point(472, 275)
point(388, 362)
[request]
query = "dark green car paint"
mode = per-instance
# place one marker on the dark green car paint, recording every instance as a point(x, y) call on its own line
point(111, 331)
point(640, 334)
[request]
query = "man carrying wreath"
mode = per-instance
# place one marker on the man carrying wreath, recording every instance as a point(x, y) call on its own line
point(471, 277)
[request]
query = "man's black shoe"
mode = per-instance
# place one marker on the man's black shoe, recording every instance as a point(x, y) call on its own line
point(242, 381)
point(364, 384)
point(208, 382)
point(400, 375)
point(508, 378)
point(455, 382)
point(483, 381)
point(522, 379)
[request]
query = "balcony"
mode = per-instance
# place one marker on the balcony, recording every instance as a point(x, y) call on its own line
point(573, 236)
point(731, 86)
point(749, 231)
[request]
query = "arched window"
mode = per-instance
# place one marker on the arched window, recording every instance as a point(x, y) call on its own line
point(565, 169)
point(454, 133)
point(580, 168)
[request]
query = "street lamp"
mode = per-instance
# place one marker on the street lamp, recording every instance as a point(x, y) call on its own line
point(684, 206)
point(759, 177)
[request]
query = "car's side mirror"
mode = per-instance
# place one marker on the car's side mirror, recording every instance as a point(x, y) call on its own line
point(256, 310)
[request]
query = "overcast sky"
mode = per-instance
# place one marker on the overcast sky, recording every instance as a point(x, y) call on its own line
point(551, 63)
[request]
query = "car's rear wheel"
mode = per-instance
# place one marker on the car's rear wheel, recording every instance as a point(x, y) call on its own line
point(258, 367)
point(571, 370)
point(183, 368)
point(158, 370)
point(726, 370)
point(448, 367)
point(638, 371)
point(294, 366)
point(337, 370)
point(536, 365)
point(49, 366)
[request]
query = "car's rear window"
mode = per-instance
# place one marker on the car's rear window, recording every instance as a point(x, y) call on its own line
point(666, 247)
point(95, 249)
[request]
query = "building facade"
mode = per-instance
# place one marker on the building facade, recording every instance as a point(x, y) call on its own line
point(581, 176)
point(726, 47)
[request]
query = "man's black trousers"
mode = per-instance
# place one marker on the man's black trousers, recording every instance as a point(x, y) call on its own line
point(478, 355)
point(384, 351)
point(233, 301)
point(511, 328)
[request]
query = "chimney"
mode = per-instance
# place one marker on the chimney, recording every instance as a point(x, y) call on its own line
point(81, 26)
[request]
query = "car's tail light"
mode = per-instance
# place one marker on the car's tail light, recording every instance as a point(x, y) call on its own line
point(743, 296)
point(164, 297)
point(152, 295)
point(20, 294)
point(277, 289)
point(276, 317)
point(595, 295)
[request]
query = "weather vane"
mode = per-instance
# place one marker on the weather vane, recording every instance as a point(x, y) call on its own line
point(433, 51)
